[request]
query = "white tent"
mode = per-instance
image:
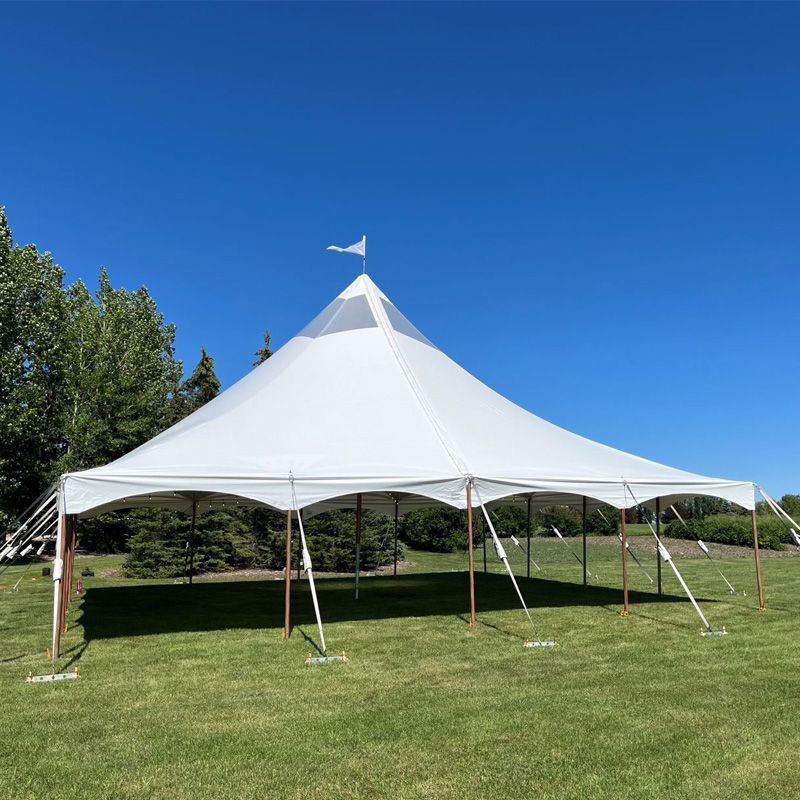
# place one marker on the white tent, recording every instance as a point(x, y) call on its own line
point(361, 402)
point(361, 409)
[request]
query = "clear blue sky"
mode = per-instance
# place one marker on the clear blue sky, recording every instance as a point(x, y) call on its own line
point(593, 208)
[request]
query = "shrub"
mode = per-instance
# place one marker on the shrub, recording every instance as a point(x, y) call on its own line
point(731, 529)
point(440, 529)
point(605, 523)
point(569, 521)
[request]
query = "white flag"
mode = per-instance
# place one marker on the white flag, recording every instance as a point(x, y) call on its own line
point(359, 248)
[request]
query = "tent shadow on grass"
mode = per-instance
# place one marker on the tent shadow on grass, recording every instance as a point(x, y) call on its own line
point(109, 612)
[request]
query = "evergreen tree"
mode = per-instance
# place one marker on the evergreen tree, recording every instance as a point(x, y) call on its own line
point(263, 353)
point(200, 387)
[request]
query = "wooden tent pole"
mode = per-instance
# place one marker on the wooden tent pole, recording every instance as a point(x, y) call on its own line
point(658, 534)
point(73, 525)
point(299, 548)
point(758, 563)
point(471, 558)
point(529, 538)
point(287, 580)
point(483, 539)
point(358, 541)
point(584, 540)
point(58, 591)
point(396, 512)
point(191, 541)
point(624, 563)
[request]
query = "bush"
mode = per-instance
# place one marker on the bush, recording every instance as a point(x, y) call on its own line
point(731, 529)
point(440, 529)
point(605, 524)
point(569, 521)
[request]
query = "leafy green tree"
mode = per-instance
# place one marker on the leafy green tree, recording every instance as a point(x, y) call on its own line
point(121, 374)
point(33, 320)
point(440, 528)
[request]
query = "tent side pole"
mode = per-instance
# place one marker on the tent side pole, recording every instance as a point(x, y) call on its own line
point(584, 540)
point(191, 541)
point(624, 563)
point(483, 539)
point(358, 541)
point(658, 535)
point(299, 545)
point(758, 562)
point(471, 558)
point(72, 521)
point(396, 512)
point(287, 579)
point(529, 537)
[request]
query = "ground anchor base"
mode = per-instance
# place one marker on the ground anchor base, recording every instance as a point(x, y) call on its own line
point(540, 643)
point(313, 660)
point(56, 676)
point(723, 632)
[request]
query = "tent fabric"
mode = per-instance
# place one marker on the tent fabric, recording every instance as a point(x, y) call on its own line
point(361, 402)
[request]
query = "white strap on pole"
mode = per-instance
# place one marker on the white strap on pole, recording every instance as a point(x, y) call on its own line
point(308, 567)
point(668, 559)
point(501, 554)
point(702, 545)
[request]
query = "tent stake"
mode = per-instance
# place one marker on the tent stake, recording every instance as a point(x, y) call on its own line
point(287, 597)
point(529, 537)
point(358, 540)
point(625, 611)
point(471, 557)
point(395, 537)
point(658, 536)
point(584, 541)
point(758, 562)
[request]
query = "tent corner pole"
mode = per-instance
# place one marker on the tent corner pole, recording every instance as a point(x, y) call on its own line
point(658, 555)
point(758, 562)
point(471, 557)
point(287, 580)
point(58, 583)
point(624, 532)
point(584, 540)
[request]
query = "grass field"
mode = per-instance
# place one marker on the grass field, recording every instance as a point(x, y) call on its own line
point(188, 692)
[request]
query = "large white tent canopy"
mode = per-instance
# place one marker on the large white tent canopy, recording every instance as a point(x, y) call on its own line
point(360, 402)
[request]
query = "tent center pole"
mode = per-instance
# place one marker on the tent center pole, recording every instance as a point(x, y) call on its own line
point(658, 534)
point(191, 541)
point(471, 558)
point(396, 511)
point(358, 541)
point(624, 562)
point(584, 541)
point(287, 597)
point(758, 562)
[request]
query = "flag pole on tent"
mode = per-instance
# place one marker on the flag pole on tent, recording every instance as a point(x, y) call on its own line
point(359, 249)
point(501, 554)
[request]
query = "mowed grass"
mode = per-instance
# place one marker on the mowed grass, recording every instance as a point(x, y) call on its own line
point(189, 692)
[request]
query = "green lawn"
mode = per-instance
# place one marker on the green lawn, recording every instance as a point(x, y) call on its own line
point(188, 692)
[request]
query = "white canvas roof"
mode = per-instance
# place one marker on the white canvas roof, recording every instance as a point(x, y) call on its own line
point(361, 402)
